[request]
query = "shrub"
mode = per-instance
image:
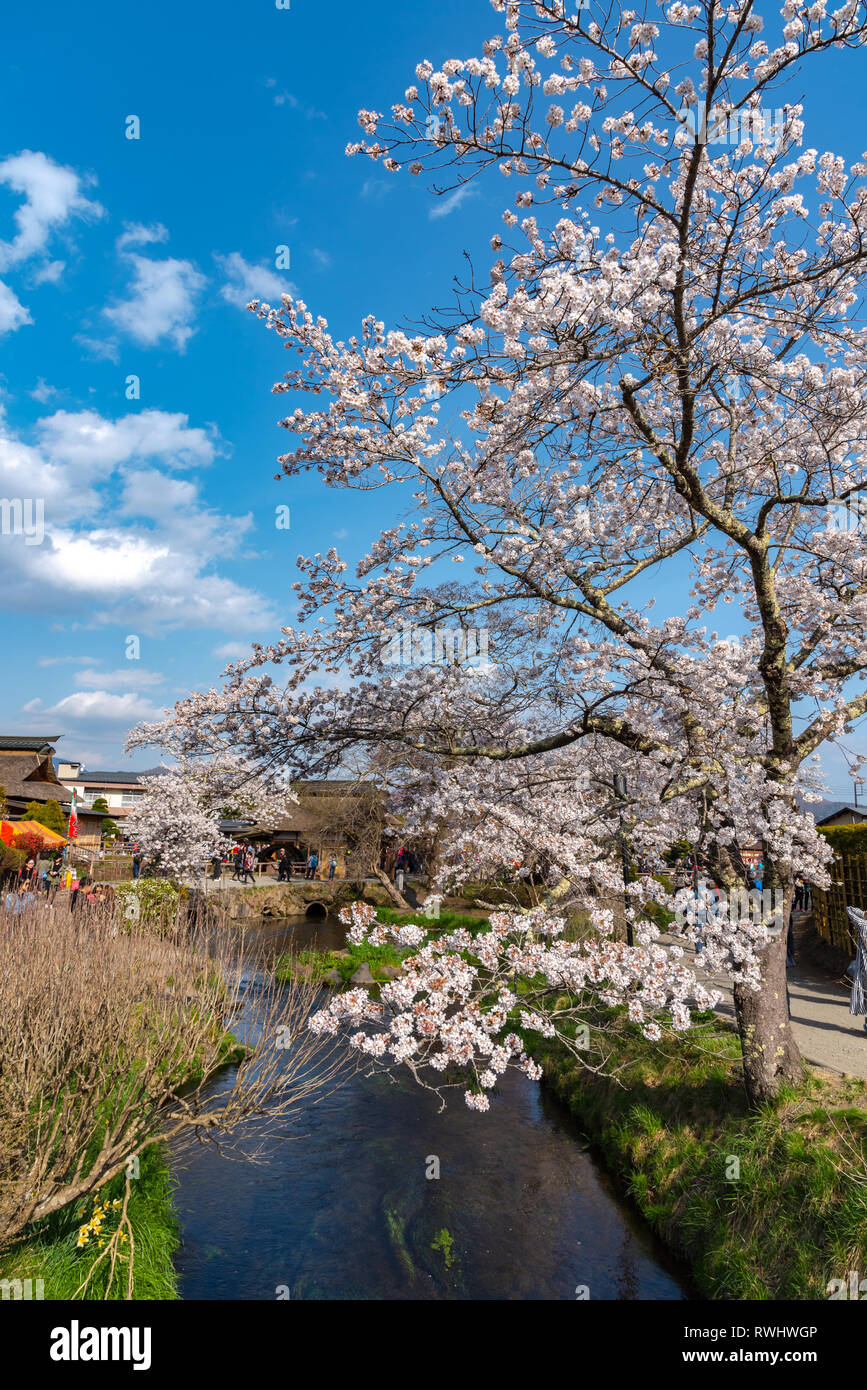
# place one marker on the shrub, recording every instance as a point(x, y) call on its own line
point(151, 903)
point(46, 813)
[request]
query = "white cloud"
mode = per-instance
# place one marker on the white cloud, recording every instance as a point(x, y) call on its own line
point(67, 660)
point(49, 273)
point(103, 349)
point(95, 445)
point(96, 707)
point(376, 188)
point(138, 234)
point(245, 281)
point(125, 541)
point(52, 195)
point(130, 678)
point(284, 98)
point(444, 206)
point(321, 256)
point(162, 298)
point(42, 392)
point(12, 312)
point(232, 651)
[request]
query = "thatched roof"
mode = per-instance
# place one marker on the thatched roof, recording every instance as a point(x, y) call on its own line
point(26, 776)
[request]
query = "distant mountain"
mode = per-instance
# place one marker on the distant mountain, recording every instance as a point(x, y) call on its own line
point(821, 810)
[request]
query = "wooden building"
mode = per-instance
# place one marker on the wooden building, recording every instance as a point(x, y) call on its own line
point(342, 818)
point(27, 773)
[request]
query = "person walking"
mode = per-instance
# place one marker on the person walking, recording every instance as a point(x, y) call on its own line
point(282, 867)
point(136, 865)
point(52, 879)
point(312, 864)
point(332, 865)
point(858, 1001)
point(249, 862)
point(701, 897)
point(76, 895)
point(42, 866)
point(238, 862)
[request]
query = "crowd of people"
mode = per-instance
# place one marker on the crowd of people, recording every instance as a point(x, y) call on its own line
point(247, 859)
point(40, 873)
point(30, 887)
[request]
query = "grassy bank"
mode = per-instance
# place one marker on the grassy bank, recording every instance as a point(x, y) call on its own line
point(51, 1252)
point(448, 920)
point(316, 965)
point(767, 1205)
point(382, 960)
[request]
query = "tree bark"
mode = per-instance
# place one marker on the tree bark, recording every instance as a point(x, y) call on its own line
point(389, 887)
point(771, 1057)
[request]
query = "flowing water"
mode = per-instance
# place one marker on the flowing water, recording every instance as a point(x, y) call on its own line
point(340, 1205)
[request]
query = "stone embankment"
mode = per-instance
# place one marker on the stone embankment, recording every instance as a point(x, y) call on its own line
point(297, 899)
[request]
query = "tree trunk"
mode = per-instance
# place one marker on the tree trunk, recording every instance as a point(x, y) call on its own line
point(770, 1054)
point(392, 891)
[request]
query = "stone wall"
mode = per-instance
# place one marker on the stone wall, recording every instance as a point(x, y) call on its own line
point(293, 899)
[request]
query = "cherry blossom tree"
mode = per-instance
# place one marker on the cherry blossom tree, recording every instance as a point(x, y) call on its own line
point(176, 823)
point(656, 397)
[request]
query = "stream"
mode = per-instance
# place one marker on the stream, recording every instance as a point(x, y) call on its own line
point(344, 1202)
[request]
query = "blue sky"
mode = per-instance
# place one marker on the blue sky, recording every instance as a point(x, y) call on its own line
point(127, 257)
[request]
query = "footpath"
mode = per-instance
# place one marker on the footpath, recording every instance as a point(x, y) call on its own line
point(825, 1031)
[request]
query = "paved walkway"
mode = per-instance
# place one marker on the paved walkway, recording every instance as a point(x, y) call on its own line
point(825, 1031)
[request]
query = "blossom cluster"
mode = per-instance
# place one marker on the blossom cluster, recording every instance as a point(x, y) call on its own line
point(460, 997)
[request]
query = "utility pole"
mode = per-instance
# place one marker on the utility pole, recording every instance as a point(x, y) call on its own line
point(620, 792)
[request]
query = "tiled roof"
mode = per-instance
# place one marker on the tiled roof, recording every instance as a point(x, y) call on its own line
point(105, 777)
point(31, 744)
point(100, 778)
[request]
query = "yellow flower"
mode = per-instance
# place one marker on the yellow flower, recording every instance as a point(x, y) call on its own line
point(123, 1235)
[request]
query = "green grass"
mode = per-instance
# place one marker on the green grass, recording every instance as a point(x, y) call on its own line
point(50, 1251)
point(316, 964)
point(762, 1205)
point(447, 920)
point(504, 895)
